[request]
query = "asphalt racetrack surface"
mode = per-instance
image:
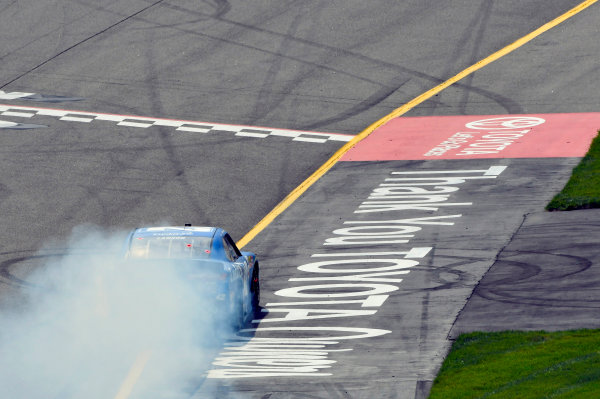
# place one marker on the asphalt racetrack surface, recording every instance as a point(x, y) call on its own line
point(120, 114)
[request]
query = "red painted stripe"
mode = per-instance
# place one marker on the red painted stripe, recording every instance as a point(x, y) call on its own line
point(479, 136)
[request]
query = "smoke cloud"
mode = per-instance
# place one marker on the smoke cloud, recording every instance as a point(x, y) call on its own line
point(96, 326)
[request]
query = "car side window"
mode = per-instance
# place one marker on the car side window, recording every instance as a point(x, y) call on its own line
point(230, 249)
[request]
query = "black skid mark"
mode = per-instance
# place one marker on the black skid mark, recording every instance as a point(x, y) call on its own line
point(6, 269)
point(528, 281)
point(50, 99)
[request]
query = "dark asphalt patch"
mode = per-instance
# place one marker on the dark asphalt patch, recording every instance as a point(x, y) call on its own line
point(547, 278)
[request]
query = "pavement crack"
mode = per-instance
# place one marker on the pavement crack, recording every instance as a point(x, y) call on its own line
point(81, 42)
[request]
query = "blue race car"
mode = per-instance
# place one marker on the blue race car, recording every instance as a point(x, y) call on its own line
point(228, 276)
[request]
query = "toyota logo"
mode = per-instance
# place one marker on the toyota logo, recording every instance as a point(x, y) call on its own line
point(505, 122)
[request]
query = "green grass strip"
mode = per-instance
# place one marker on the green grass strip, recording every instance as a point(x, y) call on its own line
point(582, 191)
point(516, 364)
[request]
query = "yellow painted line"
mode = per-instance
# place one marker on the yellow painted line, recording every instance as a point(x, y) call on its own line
point(298, 191)
point(134, 374)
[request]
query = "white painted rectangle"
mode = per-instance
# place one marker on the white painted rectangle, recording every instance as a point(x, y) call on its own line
point(19, 114)
point(336, 137)
point(52, 112)
point(76, 119)
point(251, 134)
point(284, 133)
point(193, 129)
point(309, 140)
point(134, 124)
point(108, 117)
point(164, 122)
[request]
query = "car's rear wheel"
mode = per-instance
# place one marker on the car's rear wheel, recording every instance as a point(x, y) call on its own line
point(236, 311)
point(255, 289)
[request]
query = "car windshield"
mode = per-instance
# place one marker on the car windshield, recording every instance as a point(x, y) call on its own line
point(170, 247)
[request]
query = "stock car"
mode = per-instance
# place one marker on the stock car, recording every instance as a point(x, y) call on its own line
point(228, 277)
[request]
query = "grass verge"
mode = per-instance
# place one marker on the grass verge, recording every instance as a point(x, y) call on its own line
point(582, 191)
point(516, 364)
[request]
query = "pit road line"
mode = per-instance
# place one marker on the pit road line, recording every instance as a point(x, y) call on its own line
point(298, 191)
point(312, 179)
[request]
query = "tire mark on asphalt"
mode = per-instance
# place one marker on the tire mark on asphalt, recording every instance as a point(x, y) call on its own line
point(167, 146)
point(129, 151)
point(322, 63)
point(511, 106)
point(526, 282)
point(59, 28)
point(479, 20)
point(6, 267)
point(97, 184)
point(37, 38)
point(236, 31)
point(386, 88)
point(220, 7)
point(23, 74)
point(119, 168)
point(376, 98)
point(7, 6)
point(267, 99)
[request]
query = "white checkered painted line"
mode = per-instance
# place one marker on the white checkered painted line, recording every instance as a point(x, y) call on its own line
point(186, 126)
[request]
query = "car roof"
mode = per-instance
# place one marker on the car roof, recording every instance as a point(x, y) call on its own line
point(165, 231)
